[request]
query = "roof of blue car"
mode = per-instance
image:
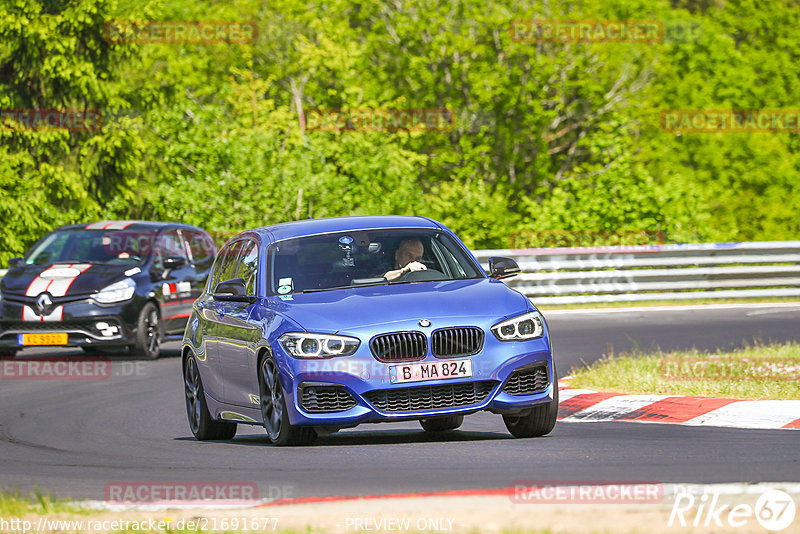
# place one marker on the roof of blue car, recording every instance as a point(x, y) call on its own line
point(289, 230)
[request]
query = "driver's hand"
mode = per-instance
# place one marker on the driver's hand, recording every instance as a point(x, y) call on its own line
point(415, 266)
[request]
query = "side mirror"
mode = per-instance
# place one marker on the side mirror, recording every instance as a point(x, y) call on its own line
point(173, 262)
point(233, 290)
point(14, 262)
point(500, 268)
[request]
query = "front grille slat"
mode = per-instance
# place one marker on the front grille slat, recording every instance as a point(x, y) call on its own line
point(527, 380)
point(326, 399)
point(412, 399)
point(399, 346)
point(457, 341)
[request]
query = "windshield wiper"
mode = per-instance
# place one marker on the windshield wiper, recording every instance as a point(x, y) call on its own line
point(318, 290)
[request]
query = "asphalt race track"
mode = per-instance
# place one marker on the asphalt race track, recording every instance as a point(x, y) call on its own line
point(74, 437)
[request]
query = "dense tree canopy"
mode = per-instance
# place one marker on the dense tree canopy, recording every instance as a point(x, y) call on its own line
point(543, 136)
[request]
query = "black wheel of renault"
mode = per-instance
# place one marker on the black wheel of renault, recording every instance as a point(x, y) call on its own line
point(441, 424)
point(148, 333)
point(539, 421)
point(274, 412)
point(200, 422)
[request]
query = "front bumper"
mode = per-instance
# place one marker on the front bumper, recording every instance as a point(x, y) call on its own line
point(85, 322)
point(508, 377)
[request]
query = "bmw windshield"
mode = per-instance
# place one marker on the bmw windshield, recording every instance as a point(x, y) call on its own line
point(372, 257)
point(92, 246)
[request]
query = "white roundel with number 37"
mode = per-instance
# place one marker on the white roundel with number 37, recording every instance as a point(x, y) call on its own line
point(775, 510)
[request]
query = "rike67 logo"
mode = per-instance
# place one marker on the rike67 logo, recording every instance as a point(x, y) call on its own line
point(774, 510)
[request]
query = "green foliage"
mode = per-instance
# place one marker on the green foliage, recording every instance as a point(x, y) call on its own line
point(54, 57)
point(547, 136)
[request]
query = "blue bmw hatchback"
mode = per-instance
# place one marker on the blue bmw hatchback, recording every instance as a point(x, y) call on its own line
point(313, 326)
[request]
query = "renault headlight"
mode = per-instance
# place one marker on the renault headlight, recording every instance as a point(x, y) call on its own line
point(116, 292)
point(520, 328)
point(305, 345)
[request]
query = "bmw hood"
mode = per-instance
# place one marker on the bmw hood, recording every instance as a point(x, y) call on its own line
point(61, 279)
point(345, 309)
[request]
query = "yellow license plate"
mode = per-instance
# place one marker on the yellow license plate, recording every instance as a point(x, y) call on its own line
point(43, 339)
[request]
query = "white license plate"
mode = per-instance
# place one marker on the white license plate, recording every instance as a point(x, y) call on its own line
point(417, 372)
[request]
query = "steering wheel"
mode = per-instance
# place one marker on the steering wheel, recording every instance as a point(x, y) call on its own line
point(427, 275)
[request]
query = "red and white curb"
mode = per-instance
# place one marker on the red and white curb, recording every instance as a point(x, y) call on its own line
point(584, 405)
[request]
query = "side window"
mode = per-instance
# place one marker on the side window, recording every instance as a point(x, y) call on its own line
point(248, 266)
point(226, 264)
point(213, 276)
point(201, 246)
point(169, 244)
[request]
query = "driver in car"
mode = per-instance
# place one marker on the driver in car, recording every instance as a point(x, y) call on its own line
point(408, 258)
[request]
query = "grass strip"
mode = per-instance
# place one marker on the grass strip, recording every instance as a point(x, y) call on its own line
point(755, 373)
point(14, 504)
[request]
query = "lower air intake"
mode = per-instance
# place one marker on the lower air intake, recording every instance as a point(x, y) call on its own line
point(430, 397)
point(319, 399)
point(527, 380)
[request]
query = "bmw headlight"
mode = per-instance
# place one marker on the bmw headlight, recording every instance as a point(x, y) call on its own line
point(116, 292)
point(520, 328)
point(305, 345)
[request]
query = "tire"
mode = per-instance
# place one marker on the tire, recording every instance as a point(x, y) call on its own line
point(148, 333)
point(441, 424)
point(539, 421)
point(200, 422)
point(273, 409)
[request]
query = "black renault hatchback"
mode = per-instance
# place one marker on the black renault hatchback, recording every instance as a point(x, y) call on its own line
point(109, 284)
